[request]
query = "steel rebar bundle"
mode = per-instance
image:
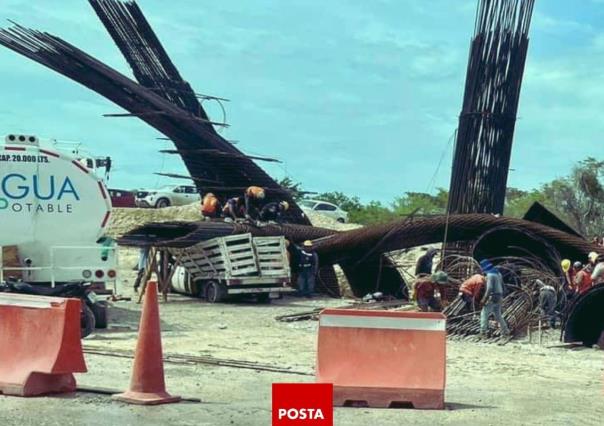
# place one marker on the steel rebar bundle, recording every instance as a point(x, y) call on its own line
point(347, 248)
point(167, 103)
point(190, 133)
point(487, 120)
point(519, 307)
point(149, 61)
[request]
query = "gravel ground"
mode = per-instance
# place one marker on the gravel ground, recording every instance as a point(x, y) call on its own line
point(519, 383)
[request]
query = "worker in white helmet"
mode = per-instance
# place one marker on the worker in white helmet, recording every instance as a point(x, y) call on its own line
point(597, 274)
point(274, 212)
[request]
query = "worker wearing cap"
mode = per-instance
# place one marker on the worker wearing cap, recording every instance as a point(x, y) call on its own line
point(233, 208)
point(547, 302)
point(274, 211)
point(425, 291)
point(308, 266)
point(492, 299)
point(424, 263)
point(470, 289)
point(253, 196)
point(210, 206)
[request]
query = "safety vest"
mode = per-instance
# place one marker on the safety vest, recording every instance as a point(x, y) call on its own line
point(306, 260)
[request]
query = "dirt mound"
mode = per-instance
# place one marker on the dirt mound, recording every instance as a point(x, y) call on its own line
point(322, 221)
point(124, 220)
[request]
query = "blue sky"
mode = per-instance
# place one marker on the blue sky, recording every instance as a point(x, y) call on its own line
point(354, 96)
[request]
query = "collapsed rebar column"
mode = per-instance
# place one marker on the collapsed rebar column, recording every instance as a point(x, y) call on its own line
point(488, 116)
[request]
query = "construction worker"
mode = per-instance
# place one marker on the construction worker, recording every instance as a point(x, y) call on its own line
point(424, 263)
point(583, 280)
point(597, 275)
point(568, 272)
point(233, 208)
point(274, 211)
point(308, 266)
point(425, 291)
point(547, 302)
point(143, 256)
point(253, 197)
point(492, 299)
point(469, 291)
point(210, 206)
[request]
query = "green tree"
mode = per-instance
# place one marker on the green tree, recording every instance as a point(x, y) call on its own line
point(295, 188)
point(425, 204)
point(517, 201)
point(345, 202)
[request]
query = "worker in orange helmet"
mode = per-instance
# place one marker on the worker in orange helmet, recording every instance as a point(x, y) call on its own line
point(254, 195)
point(210, 206)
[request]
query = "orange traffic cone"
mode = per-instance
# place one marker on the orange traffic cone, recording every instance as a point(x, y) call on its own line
point(147, 386)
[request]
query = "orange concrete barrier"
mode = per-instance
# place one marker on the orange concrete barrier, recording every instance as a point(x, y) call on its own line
point(40, 345)
point(383, 358)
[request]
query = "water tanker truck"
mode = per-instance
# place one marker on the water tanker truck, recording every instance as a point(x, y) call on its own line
point(54, 211)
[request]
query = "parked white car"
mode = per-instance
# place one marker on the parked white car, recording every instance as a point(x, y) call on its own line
point(325, 208)
point(171, 195)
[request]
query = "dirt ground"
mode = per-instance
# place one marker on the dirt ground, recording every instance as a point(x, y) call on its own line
point(519, 383)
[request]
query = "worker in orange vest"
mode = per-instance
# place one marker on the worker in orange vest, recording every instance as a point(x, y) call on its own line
point(583, 280)
point(210, 206)
point(253, 197)
point(425, 291)
point(470, 289)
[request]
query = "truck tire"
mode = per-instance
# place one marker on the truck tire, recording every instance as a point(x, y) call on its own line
point(100, 314)
point(215, 292)
point(341, 220)
point(264, 298)
point(162, 202)
point(87, 322)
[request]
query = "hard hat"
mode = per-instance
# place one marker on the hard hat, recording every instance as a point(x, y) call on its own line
point(486, 266)
point(593, 256)
point(285, 205)
point(307, 243)
point(440, 277)
point(577, 265)
point(565, 265)
point(210, 194)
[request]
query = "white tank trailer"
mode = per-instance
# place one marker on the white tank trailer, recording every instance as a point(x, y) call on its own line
point(53, 212)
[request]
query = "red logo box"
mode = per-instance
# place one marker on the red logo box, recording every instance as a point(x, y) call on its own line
point(302, 404)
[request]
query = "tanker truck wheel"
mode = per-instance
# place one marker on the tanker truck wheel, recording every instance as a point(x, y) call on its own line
point(263, 298)
point(215, 292)
point(99, 310)
point(162, 202)
point(87, 322)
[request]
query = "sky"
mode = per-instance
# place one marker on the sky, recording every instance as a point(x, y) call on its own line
point(356, 96)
